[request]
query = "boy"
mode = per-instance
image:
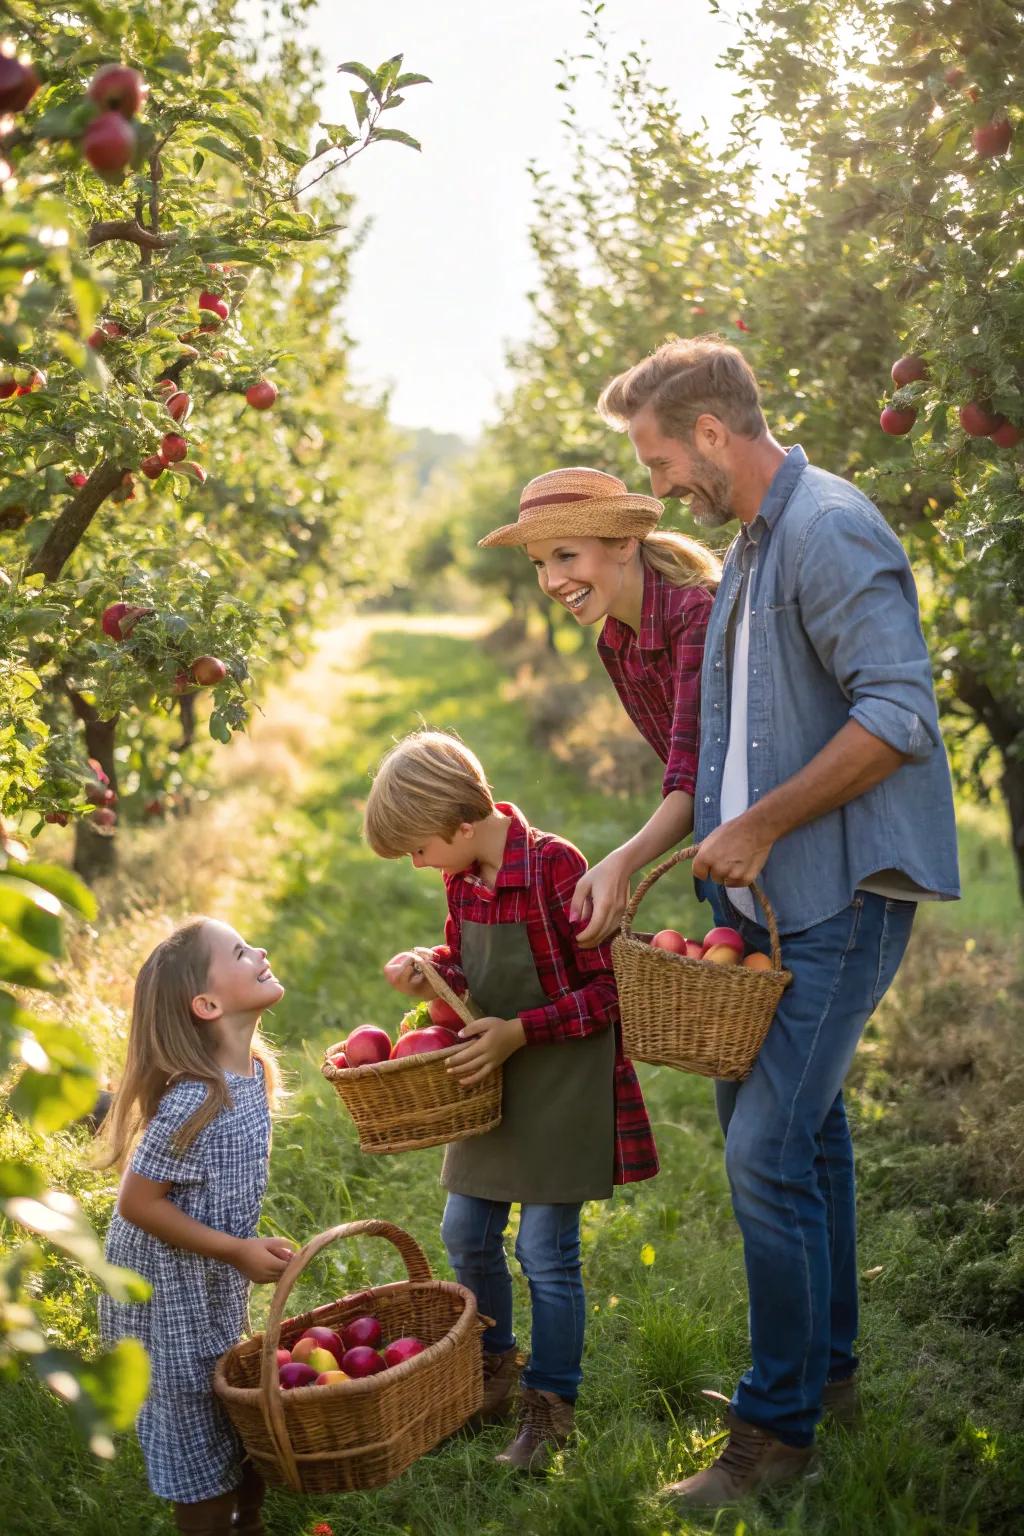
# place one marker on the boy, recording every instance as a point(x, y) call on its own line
point(573, 1118)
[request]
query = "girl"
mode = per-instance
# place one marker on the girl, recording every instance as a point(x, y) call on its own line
point(597, 552)
point(191, 1127)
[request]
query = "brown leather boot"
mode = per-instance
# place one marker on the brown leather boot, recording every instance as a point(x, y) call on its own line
point(249, 1503)
point(501, 1385)
point(545, 1424)
point(752, 1460)
point(208, 1517)
point(842, 1400)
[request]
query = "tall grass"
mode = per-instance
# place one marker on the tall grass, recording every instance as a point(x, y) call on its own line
point(280, 853)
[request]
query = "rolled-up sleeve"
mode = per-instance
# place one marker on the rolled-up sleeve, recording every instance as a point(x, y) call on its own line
point(859, 609)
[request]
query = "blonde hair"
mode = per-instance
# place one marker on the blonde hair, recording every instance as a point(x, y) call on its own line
point(426, 786)
point(683, 561)
point(685, 379)
point(166, 1041)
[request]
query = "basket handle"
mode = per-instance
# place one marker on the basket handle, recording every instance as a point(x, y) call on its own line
point(418, 1268)
point(462, 1005)
point(626, 925)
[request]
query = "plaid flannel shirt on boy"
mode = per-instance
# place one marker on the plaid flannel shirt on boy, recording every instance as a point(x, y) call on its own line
point(538, 875)
point(656, 673)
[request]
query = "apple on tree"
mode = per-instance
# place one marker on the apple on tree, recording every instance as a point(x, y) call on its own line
point(119, 619)
point(208, 671)
point(896, 423)
point(261, 395)
point(173, 448)
point(907, 370)
point(993, 138)
point(118, 88)
point(978, 421)
point(18, 84)
point(108, 143)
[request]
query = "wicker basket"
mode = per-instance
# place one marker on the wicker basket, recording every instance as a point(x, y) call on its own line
point(414, 1102)
point(361, 1433)
point(693, 1014)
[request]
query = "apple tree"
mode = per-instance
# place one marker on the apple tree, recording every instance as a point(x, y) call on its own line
point(186, 476)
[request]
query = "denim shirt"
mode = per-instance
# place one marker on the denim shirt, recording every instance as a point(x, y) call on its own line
point(835, 635)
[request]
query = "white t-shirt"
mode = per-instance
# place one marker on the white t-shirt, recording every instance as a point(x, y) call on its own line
point(735, 788)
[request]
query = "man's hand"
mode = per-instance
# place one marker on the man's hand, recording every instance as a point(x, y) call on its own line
point(733, 854)
point(600, 899)
point(262, 1259)
point(403, 973)
point(491, 1041)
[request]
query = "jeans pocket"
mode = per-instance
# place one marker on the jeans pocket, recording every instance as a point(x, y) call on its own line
point(892, 945)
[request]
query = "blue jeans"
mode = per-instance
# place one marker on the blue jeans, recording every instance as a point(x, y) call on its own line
point(548, 1249)
point(789, 1159)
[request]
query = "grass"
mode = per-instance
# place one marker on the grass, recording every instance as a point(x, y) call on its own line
point(942, 1251)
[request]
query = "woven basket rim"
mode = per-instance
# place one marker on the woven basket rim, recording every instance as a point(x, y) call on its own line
point(372, 1068)
point(708, 967)
point(360, 1386)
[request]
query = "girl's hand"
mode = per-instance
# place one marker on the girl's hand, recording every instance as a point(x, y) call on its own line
point(491, 1041)
point(403, 973)
point(262, 1259)
point(600, 898)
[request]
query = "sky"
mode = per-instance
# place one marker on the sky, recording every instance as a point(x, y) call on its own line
point(440, 284)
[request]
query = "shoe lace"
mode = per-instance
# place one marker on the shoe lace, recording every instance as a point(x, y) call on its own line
point(537, 1419)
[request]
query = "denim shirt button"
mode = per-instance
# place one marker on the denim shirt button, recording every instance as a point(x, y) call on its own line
point(718, 706)
point(753, 743)
point(707, 799)
point(718, 666)
point(712, 767)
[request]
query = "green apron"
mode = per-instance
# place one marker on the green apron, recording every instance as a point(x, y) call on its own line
point(556, 1141)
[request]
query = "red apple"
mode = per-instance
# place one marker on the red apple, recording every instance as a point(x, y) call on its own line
point(118, 88)
point(420, 1042)
point(35, 380)
point(108, 143)
point(716, 937)
point(906, 370)
point(173, 448)
point(361, 1332)
point(295, 1374)
point(992, 138)
point(367, 1044)
point(104, 818)
point(119, 619)
point(401, 1350)
point(194, 471)
point(694, 951)
point(1007, 435)
point(283, 1356)
point(326, 1338)
point(978, 421)
point(443, 1013)
point(8, 386)
point(362, 1362)
point(669, 939)
point(179, 405)
point(896, 423)
point(261, 395)
point(215, 304)
point(57, 818)
point(18, 84)
point(339, 1060)
point(208, 671)
point(100, 794)
point(77, 479)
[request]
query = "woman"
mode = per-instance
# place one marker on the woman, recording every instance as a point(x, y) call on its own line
point(598, 551)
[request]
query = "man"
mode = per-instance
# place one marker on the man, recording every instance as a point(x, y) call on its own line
point(823, 776)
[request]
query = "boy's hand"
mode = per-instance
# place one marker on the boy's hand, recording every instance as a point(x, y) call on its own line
point(491, 1041)
point(403, 973)
point(262, 1259)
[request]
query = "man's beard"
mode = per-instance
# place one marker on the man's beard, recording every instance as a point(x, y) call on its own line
point(710, 506)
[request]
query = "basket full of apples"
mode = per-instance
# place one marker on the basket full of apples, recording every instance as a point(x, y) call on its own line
point(401, 1095)
point(700, 1007)
point(323, 1404)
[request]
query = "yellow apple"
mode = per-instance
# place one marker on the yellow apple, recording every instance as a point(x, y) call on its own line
point(722, 954)
point(329, 1378)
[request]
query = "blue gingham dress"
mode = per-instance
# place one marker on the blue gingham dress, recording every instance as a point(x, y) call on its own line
point(199, 1306)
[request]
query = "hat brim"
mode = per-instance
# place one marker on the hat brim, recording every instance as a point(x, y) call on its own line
point(610, 517)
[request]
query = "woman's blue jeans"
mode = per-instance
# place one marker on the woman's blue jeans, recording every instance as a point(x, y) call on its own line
point(548, 1249)
point(789, 1159)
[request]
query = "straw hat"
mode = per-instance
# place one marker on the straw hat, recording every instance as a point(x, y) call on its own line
point(580, 503)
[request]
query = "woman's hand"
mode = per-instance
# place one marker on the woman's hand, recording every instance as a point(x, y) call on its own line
point(262, 1259)
point(403, 973)
point(600, 899)
point(491, 1041)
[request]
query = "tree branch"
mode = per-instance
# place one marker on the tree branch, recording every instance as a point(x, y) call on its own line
point(66, 533)
point(133, 232)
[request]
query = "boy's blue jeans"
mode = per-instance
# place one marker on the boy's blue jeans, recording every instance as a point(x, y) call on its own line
point(548, 1249)
point(789, 1159)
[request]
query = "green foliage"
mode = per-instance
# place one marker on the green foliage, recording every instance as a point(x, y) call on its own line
point(55, 1084)
point(239, 547)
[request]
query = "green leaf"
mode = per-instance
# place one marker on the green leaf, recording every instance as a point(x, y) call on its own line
point(396, 136)
point(218, 147)
point(405, 81)
point(118, 1382)
point(50, 1100)
point(59, 882)
point(32, 914)
point(362, 73)
point(293, 155)
point(360, 106)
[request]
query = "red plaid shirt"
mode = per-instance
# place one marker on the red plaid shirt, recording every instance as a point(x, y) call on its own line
point(656, 672)
point(535, 884)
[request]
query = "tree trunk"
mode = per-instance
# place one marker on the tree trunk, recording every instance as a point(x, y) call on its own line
point(1004, 721)
point(549, 620)
point(95, 850)
point(66, 533)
